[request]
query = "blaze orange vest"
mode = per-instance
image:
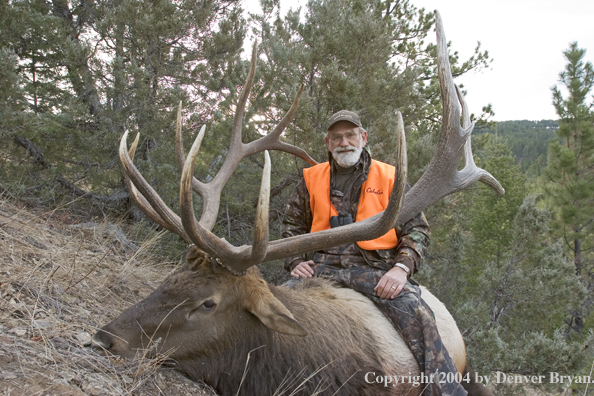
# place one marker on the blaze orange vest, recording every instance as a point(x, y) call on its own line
point(375, 194)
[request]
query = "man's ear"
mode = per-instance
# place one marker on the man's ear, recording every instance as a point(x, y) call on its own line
point(364, 138)
point(327, 142)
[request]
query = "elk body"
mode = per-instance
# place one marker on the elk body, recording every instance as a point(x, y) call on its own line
point(218, 327)
point(218, 321)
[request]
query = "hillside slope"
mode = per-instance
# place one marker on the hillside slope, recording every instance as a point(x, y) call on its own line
point(59, 282)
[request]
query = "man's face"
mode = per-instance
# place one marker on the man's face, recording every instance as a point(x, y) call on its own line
point(346, 141)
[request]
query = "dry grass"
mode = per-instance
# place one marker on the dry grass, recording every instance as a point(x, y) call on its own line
point(59, 282)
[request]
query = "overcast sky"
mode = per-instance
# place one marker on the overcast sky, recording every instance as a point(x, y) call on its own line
point(525, 39)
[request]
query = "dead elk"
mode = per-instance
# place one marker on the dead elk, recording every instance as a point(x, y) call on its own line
point(218, 321)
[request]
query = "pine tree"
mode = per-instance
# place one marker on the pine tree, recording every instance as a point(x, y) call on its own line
point(367, 56)
point(570, 170)
point(505, 319)
point(12, 99)
point(90, 70)
point(495, 268)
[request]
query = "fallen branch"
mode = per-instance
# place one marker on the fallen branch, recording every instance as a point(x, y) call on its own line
point(33, 151)
point(286, 182)
point(118, 196)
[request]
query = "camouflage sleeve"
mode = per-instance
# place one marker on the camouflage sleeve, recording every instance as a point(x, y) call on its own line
point(298, 219)
point(413, 241)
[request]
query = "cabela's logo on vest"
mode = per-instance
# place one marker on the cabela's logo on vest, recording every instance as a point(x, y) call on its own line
point(374, 191)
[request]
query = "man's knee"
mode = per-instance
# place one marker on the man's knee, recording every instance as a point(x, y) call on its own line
point(407, 303)
point(410, 295)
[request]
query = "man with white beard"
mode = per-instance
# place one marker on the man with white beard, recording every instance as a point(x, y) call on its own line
point(352, 187)
point(350, 194)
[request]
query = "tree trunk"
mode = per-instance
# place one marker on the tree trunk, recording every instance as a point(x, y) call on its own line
point(577, 256)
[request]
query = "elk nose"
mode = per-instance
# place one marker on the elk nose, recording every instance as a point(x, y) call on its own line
point(101, 340)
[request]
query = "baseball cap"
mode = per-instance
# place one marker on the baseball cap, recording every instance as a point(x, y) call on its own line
point(344, 115)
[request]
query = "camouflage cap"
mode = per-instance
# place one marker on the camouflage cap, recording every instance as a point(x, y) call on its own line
point(344, 115)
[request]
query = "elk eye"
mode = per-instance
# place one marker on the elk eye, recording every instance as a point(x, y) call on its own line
point(207, 305)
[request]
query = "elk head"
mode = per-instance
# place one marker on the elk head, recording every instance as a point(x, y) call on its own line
point(219, 290)
point(203, 299)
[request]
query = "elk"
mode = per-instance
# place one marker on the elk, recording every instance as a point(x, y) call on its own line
point(218, 321)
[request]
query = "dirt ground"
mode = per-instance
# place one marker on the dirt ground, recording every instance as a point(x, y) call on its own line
point(60, 280)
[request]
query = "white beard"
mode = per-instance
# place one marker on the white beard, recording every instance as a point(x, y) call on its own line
point(347, 156)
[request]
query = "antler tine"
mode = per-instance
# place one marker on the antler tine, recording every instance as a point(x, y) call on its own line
point(179, 144)
point(372, 227)
point(261, 231)
point(469, 164)
point(210, 199)
point(211, 192)
point(272, 142)
point(137, 196)
point(201, 236)
point(236, 259)
point(243, 97)
point(465, 113)
point(442, 176)
point(152, 205)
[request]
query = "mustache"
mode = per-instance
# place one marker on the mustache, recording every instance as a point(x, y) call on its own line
point(346, 156)
point(345, 149)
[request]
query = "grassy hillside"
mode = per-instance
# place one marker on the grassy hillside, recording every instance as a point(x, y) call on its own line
point(61, 279)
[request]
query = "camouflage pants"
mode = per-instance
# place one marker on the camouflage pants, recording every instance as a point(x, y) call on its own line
point(411, 316)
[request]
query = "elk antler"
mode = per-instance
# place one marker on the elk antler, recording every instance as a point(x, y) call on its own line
point(238, 259)
point(440, 179)
point(442, 176)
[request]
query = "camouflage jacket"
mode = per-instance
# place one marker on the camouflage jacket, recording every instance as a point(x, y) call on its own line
point(413, 236)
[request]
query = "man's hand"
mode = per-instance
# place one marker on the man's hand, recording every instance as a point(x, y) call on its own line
point(391, 283)
point(303, 270)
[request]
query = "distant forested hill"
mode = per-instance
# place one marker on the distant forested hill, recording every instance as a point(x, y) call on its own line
point(529, 140)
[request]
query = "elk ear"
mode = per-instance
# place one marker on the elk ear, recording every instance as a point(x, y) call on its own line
point(272, 313)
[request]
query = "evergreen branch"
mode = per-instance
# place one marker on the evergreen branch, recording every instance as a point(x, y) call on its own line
point(38, 157)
